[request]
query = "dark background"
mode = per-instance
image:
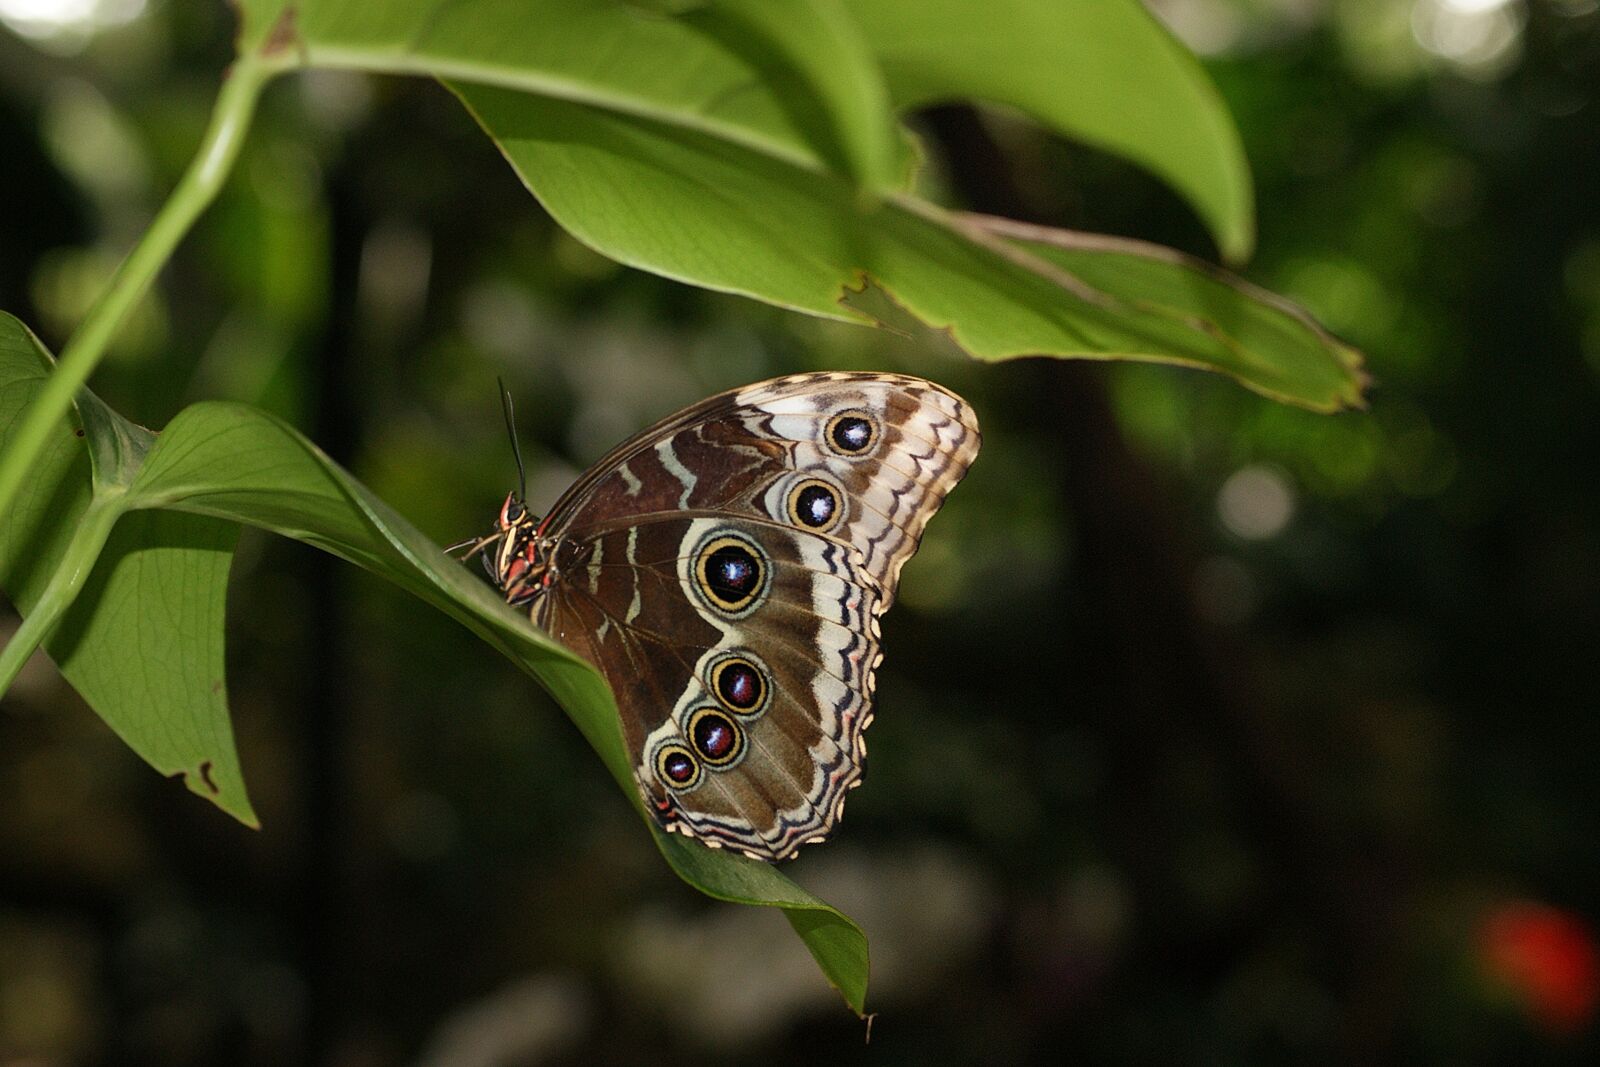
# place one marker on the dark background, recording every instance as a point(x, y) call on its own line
point(1210, 730)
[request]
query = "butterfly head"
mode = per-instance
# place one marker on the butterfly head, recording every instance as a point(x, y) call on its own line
point(516, 564)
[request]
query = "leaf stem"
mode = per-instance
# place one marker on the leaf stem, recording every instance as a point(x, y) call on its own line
point(230, 119)
point(94, 526)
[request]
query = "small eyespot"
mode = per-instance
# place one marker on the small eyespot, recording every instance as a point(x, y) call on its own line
point(731, 572)
point(814, 504)
point(740, 684)
point(676, 767)
point(715, 737)
point(850, 433)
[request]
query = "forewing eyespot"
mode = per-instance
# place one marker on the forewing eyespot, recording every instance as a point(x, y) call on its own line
point(730, 571)
point(815, 505)
point(851, 433)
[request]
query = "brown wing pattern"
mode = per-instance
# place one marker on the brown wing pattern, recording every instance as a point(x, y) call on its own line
point(772, 760)
point(725, 570)
point(759, 450)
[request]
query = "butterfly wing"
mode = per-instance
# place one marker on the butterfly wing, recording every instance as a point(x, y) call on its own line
point(863, 458)
point(745, 713)
point(743, 700)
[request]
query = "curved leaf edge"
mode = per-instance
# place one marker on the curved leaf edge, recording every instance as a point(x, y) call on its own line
point(79, 563)
point(1004, 239)
point(716, 873)
point(864, 147)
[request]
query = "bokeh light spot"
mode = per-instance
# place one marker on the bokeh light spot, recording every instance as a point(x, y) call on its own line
point(1255, 503)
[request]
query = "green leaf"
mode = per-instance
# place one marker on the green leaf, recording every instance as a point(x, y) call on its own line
point(143, 645)
point(143, 641)
point(35, 530)
point(700, 210)
point(792, 80)
point(142, 638)
point(1099, 71)
point(229, 461)
point(1242, 321)
point(812, 50)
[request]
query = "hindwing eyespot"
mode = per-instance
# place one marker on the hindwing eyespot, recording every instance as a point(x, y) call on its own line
point(676, 767)
point(716, 738)
point(740, 684)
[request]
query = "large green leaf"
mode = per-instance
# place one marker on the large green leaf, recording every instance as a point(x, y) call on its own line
point(791, 80)
point(701, 210)
point(1100, 71)
point(811, 50)
point(1242, 322)
point(810, 81)
point(143, 640)
point(234, 462)
point(142, 643)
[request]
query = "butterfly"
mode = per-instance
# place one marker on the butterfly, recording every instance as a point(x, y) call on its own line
point(725, 571)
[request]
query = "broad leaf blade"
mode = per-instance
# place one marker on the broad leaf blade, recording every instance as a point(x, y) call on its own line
point(836, 942)
point(707, 70)
point(1242, 319)
point(812, 50)
point(143, 645)
point(232, 462)
point(1099, 71)
point(143, 642)
point(700, 210)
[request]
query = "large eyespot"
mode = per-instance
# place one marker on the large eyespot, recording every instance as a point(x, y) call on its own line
point(676, 767)
point(739, 682)
point(716, 738)
point(850, 433)
point(731, 572)
point(814, 504)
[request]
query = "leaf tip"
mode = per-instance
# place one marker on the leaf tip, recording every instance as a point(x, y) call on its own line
point(202, 781)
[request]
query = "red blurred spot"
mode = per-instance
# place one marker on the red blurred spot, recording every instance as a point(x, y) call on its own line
point(1548, 957)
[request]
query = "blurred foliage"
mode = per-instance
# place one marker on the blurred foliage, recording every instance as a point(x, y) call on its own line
point(1333, 801)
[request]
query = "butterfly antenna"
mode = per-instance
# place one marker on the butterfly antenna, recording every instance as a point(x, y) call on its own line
point(511, 432)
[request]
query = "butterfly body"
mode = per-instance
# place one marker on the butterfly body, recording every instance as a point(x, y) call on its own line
point(725, 570)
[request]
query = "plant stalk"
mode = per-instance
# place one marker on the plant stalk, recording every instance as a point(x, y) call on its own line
point(93, 528)
point(230, 120)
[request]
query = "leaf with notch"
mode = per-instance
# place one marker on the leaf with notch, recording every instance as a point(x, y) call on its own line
point(143, 641)
point(692, 208)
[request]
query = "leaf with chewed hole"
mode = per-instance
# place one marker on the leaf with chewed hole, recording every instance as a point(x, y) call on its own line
point(142, 640)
